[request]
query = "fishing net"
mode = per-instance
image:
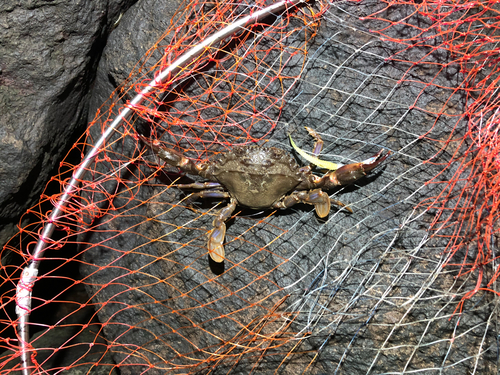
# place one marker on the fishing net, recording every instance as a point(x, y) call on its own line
point(406, 283)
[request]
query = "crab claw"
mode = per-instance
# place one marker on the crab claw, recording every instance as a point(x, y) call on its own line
point(352, 172)
point(215, 240)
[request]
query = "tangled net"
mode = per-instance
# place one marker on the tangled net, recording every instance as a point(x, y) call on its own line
point(407, 283)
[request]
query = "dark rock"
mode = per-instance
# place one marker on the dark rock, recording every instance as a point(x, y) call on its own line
point(49, 53)
point(68, 341)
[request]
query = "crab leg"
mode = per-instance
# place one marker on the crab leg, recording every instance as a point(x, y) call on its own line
point(317, 197)
point(172, 157)
point(216, 236)
point(199, 185)
point(207, 194)
point(318, 145)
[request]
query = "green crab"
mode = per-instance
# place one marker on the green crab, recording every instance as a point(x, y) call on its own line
point(260, 178)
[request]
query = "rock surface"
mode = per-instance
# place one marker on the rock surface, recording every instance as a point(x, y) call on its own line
point(49, 54)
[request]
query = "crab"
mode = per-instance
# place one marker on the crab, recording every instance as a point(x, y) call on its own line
point(261, 178)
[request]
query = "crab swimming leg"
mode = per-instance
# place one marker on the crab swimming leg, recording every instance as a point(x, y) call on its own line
point(217, 235)
point(318, 198)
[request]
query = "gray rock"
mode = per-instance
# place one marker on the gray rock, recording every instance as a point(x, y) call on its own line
point(49, 54)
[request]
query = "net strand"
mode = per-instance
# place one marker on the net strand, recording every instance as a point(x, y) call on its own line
point(182, 63)
point(411, 273)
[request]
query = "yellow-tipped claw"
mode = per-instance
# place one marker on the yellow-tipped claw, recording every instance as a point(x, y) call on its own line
point(215, 240)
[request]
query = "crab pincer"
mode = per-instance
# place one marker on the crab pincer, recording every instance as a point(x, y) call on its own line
point(350, 173)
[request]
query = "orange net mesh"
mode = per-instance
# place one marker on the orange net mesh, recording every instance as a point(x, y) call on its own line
point(407, 283)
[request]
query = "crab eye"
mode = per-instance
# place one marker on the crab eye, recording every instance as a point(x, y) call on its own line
point(238, 151)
